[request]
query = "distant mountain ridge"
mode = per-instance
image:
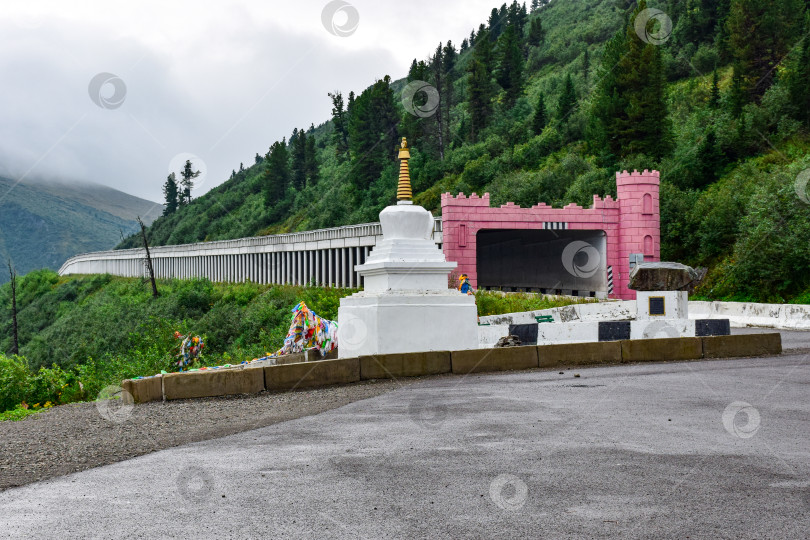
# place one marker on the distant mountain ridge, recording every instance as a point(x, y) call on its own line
point(43, 223)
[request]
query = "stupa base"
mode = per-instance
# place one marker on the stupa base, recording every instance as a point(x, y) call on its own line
point(384, 322)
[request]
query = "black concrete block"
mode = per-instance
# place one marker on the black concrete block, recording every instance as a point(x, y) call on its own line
point(712, 327)
point(527, 333)
point(614, 330)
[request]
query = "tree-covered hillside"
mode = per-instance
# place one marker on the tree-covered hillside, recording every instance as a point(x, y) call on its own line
point(545, 103)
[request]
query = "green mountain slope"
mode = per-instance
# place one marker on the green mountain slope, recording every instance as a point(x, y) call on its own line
point(721, 106)
point(43, 224)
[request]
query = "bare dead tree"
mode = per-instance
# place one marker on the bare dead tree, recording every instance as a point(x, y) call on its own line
point(148, 259)
point(15, 341)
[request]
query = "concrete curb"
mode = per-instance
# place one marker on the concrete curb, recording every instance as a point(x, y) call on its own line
point(391, 366)
point(742, 345)
point(651, 350)
point(500, 359)
point(580, 354)
point(216, 382)
point(253, 378)
point(310, 374)
point(143, 390)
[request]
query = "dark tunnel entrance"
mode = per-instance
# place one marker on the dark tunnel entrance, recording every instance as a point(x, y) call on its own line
point(548, 261)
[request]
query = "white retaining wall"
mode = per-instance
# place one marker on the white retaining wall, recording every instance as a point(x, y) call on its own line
point(739, 314)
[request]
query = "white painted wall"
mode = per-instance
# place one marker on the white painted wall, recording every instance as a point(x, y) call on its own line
point(739, 314)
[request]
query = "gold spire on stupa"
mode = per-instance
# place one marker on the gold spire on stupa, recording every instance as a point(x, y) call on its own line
point(404, 192)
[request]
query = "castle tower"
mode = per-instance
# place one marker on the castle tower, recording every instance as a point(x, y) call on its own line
point(639, 224)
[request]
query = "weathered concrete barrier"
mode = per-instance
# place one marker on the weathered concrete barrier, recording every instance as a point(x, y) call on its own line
point(213, 382)
point(391, 366)
point(741, 314)
point(743, 345)
point(255, 378)
point(662, 349)
point(143, 390)
point(580, 354)
point(310, 374)
point(500, 359)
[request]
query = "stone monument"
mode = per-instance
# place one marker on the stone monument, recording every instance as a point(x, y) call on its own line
point(406, 304)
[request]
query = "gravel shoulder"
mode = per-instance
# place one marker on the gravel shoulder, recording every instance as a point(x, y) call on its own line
point(76, 437)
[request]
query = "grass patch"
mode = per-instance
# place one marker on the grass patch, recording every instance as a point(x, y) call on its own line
point(20, 413)
point(498, 303)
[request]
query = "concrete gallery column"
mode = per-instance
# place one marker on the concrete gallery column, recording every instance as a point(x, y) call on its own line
point(283, 267)
point(317, 266)
point(351, 267)
point(343, 274)
point(340, 259)
point(328, 254)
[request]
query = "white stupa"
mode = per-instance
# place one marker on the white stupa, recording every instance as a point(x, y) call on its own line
point(406, 304)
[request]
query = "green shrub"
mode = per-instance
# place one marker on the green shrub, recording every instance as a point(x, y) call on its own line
point(15, 381)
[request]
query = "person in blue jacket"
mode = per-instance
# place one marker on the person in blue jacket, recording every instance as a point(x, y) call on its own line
point(464, 284)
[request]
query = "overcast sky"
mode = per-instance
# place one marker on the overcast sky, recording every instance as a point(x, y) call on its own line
point(218, 80)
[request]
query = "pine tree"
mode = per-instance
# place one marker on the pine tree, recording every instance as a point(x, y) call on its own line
point(187, 177)
point(540, 118)
point(646, 129)
point(536, 32)
point(373, 134)
point(737, 96)
point(479, 86)
point(450, 57)
point(494, 24)
point(170, 192)
point(629, 114)
point(798, 79)
point(535, 5)
point(510, 66)
point(311, 161)
point(258, 158)
point(609, 102)
point(437, 67)
point(421, 132)
point(298, 152)
point(586, 66)
point(714, 97)
point(516, 16)
point(709, 159)
point(568, 99)
point(340, 122)
point(276, 177)
point(760, 35)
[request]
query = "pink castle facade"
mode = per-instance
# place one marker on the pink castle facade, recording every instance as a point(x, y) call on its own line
point(621, 232)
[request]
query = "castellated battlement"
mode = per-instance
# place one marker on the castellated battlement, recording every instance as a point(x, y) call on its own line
point(463, 200)
point(628, 178)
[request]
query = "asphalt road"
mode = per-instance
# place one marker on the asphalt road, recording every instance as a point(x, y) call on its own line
point(674, 450)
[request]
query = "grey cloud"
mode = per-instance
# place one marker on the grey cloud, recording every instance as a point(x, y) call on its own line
point(243, 91)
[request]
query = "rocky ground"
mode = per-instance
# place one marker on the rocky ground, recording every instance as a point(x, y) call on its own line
point(81, 436)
